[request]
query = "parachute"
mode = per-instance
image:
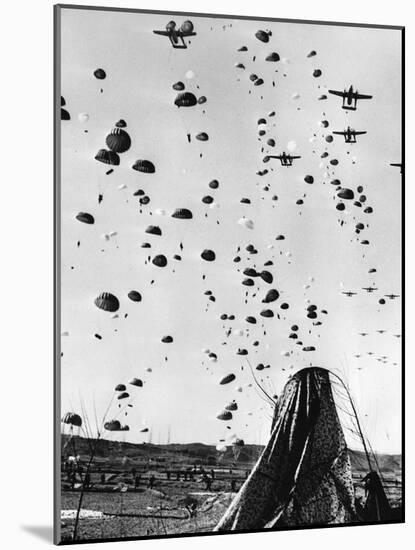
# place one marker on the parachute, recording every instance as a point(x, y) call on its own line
point(178, 86)
point(185, 99)
point(121, 123)
point(248, 282)
point(123, 395)
point(202, 136)
point(134, 296)
point(208, 255)
point(250, 320)
point(317, 73)
point(227, 379)
point(107, 302)
point(120, 387)
point(303, 476)
point(108, 157)
point(153, 230)
point(136, 382)
point(272, 57)
point(345, 194)
point(262, 36)
point(267, 313)
point(65, 114)
point(182, 214)
point(83, 117)
point(202, 99)
point(224, 415)
point(167, 339)
point(72, 418)
point(144, 166)
point(118, 140)
point(233, 406)
point(309, 179)
point(249, 224)
point(100, 74)
point(112, 426)
point(84, 217)
point(266, 276)
point(160, 260)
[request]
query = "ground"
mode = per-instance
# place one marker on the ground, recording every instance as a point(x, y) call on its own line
point(174, 505)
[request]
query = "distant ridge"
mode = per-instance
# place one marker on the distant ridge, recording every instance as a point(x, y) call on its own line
point(188, 452)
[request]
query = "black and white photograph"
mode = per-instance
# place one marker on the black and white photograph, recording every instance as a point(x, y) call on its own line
point(229, 274)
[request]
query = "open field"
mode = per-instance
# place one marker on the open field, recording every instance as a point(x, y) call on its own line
point(179, 501)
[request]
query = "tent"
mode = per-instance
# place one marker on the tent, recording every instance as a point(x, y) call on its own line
point(303, 476)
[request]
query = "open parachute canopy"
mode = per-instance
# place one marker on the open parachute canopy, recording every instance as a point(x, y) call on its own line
point(185, 99)
point(72, 418)
point(108, 157)
point(107, 302)
point(227, 379)
point(145, 166)
point(84, 217)
point(118, 140)
point(134, 296)
point(123, 395)
point(112, 426)
point(208, 255)
point(262, 36)
point(182, 214)
point(136, 382)
point(224, 415)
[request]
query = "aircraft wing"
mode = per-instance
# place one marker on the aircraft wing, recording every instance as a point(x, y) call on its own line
point(339, 133)
point(186, 34)
point(161, 33)
point(336, 92)
point(357, 133)
point(293, 157)
point(361, 96)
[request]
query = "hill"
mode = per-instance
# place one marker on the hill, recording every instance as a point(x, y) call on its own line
point(176, 455)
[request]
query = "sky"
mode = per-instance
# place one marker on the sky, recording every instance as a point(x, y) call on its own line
point(320, 257)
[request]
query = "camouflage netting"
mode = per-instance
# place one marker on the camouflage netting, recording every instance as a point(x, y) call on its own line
point(303, 476)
